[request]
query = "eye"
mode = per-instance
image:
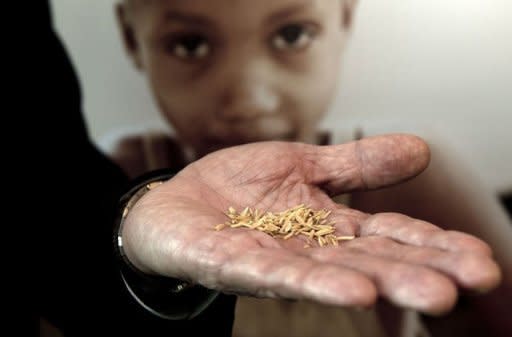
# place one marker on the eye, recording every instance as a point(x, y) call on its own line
point(293, 37)
point(190, 47)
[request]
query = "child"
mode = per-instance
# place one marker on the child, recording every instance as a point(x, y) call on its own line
point(226, 72)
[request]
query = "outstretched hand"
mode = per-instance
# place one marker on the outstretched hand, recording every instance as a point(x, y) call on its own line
point(412, 263)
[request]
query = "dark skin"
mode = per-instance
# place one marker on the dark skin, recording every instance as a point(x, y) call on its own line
point(411, 263)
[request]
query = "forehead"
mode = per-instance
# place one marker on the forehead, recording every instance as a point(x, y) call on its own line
point(231, 12)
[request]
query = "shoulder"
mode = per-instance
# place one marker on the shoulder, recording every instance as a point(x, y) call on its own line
point(142, 151)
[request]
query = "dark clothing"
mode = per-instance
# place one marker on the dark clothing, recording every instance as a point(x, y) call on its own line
point(77, 191)
point(506, 200)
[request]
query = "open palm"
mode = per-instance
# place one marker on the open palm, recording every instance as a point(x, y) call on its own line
point(410, 262)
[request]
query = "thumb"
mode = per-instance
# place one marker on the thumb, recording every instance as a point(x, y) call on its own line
point(369, 163)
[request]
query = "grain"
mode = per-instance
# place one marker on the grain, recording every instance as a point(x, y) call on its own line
point(311, 225)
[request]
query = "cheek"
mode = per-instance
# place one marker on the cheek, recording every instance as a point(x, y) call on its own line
point(178, 101)
point(175, 87)
point(314, 103)
point(312, 92)
point(317, 86)
point(182, 109)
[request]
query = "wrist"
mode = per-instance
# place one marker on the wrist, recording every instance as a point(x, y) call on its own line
point(127, 232)
point(164, 297)
point(141, 187)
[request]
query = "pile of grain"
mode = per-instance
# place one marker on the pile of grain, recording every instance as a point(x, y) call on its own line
point(300, 220)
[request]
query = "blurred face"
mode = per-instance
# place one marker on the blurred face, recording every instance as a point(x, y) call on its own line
point(228, 72)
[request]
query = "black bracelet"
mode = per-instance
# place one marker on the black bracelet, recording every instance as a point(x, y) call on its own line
point(165, 297)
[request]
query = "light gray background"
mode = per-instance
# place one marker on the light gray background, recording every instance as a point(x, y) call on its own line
point(436, 62)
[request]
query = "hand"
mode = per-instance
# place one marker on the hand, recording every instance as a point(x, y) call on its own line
point(411, 263)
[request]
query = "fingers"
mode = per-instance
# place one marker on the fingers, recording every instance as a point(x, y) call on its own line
point(412, 262)
point(280, 273)
point(471, 271)
point(370, 163)
point(412, 286)
point(421, 233)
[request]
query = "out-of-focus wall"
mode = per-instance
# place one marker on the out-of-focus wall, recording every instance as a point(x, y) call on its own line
point(437, 62)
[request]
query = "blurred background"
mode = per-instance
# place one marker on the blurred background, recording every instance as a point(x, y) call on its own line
point(442, 63)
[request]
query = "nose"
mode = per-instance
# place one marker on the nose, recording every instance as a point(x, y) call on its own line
point(249, 93)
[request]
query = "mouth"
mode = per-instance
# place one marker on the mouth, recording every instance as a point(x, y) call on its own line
point(221, 134)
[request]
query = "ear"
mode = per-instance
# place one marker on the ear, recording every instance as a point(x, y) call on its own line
point(347, 14)
point(125, 24)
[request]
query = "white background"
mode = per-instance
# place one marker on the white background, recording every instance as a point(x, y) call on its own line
point(435, 62)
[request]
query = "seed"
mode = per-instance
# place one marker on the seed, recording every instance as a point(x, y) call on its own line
point(300, 220)
point(345, 238)
point(220, 226)
point(324, 231)
point(289, 235)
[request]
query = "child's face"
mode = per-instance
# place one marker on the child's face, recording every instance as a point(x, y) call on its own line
point(228, 72)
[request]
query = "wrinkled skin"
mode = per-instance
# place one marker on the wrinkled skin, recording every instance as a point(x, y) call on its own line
point(412, 263)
